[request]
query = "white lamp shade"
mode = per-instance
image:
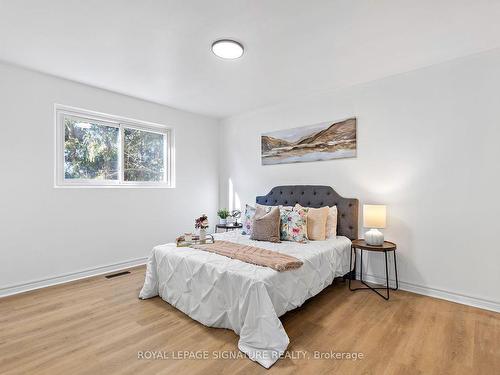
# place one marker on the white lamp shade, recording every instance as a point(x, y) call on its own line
point(374, 216)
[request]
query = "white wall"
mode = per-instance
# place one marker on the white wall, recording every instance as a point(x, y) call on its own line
point(47, 232)
point(428, 147)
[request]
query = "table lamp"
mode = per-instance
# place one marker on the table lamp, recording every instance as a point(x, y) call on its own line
point(374, 217)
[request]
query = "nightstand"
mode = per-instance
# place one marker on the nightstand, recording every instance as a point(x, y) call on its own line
point(228, 226)
point(384, 248)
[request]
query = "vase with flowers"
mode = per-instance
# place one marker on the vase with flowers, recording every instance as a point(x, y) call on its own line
point(201, 224)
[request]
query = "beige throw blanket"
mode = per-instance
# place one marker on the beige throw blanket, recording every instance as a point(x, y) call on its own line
point(253, 255)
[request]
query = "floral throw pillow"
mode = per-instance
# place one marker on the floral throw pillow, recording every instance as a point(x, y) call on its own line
point(248, 219)
point(293, 224)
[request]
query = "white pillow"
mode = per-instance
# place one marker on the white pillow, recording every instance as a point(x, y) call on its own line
point(331, 223)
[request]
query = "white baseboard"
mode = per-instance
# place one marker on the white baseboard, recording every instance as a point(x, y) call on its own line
point(436, 293)
point(89, 272)
point(96, 271)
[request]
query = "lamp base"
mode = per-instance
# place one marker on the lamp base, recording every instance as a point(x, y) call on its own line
point(374, 237)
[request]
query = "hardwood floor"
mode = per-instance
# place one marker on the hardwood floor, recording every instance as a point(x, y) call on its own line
point(98, 326)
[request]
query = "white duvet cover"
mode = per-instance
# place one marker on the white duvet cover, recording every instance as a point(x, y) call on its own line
point(222, 292)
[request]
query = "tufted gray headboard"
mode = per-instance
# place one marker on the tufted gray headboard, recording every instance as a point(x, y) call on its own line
point(317, 196)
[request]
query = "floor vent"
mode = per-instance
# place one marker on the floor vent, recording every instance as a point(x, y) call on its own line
point(117, 274)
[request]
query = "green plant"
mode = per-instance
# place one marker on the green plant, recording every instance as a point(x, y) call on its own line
point(223, 213)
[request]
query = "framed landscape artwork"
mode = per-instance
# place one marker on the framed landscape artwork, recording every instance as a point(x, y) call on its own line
point(324, 141)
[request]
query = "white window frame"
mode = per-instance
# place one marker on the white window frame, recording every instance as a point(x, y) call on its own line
point(62, 111)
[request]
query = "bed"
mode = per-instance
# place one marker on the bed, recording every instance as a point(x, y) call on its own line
point(226, 293)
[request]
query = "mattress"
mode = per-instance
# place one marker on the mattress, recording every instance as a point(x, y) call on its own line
point(227, 293)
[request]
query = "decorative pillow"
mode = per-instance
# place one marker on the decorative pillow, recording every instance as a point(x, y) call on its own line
point(248, 219)
point(331, 223)
point(266, 225)
point(267, 208)
point(316, 222)
point(293, 224)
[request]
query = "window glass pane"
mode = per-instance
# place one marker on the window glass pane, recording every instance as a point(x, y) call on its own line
point(143, 155)
point(90, 150)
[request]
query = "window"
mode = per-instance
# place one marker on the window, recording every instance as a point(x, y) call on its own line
point(103, 150)
point(143, 155)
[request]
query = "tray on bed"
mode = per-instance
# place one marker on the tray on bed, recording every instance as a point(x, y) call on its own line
point(180, 242)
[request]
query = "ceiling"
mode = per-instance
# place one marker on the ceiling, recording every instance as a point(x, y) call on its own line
point(160, 50)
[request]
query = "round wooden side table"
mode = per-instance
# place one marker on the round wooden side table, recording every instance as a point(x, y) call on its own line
point(384, 248)
point(228, 226)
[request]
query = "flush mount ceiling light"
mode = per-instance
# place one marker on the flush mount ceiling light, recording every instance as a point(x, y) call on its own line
point(227, 49)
